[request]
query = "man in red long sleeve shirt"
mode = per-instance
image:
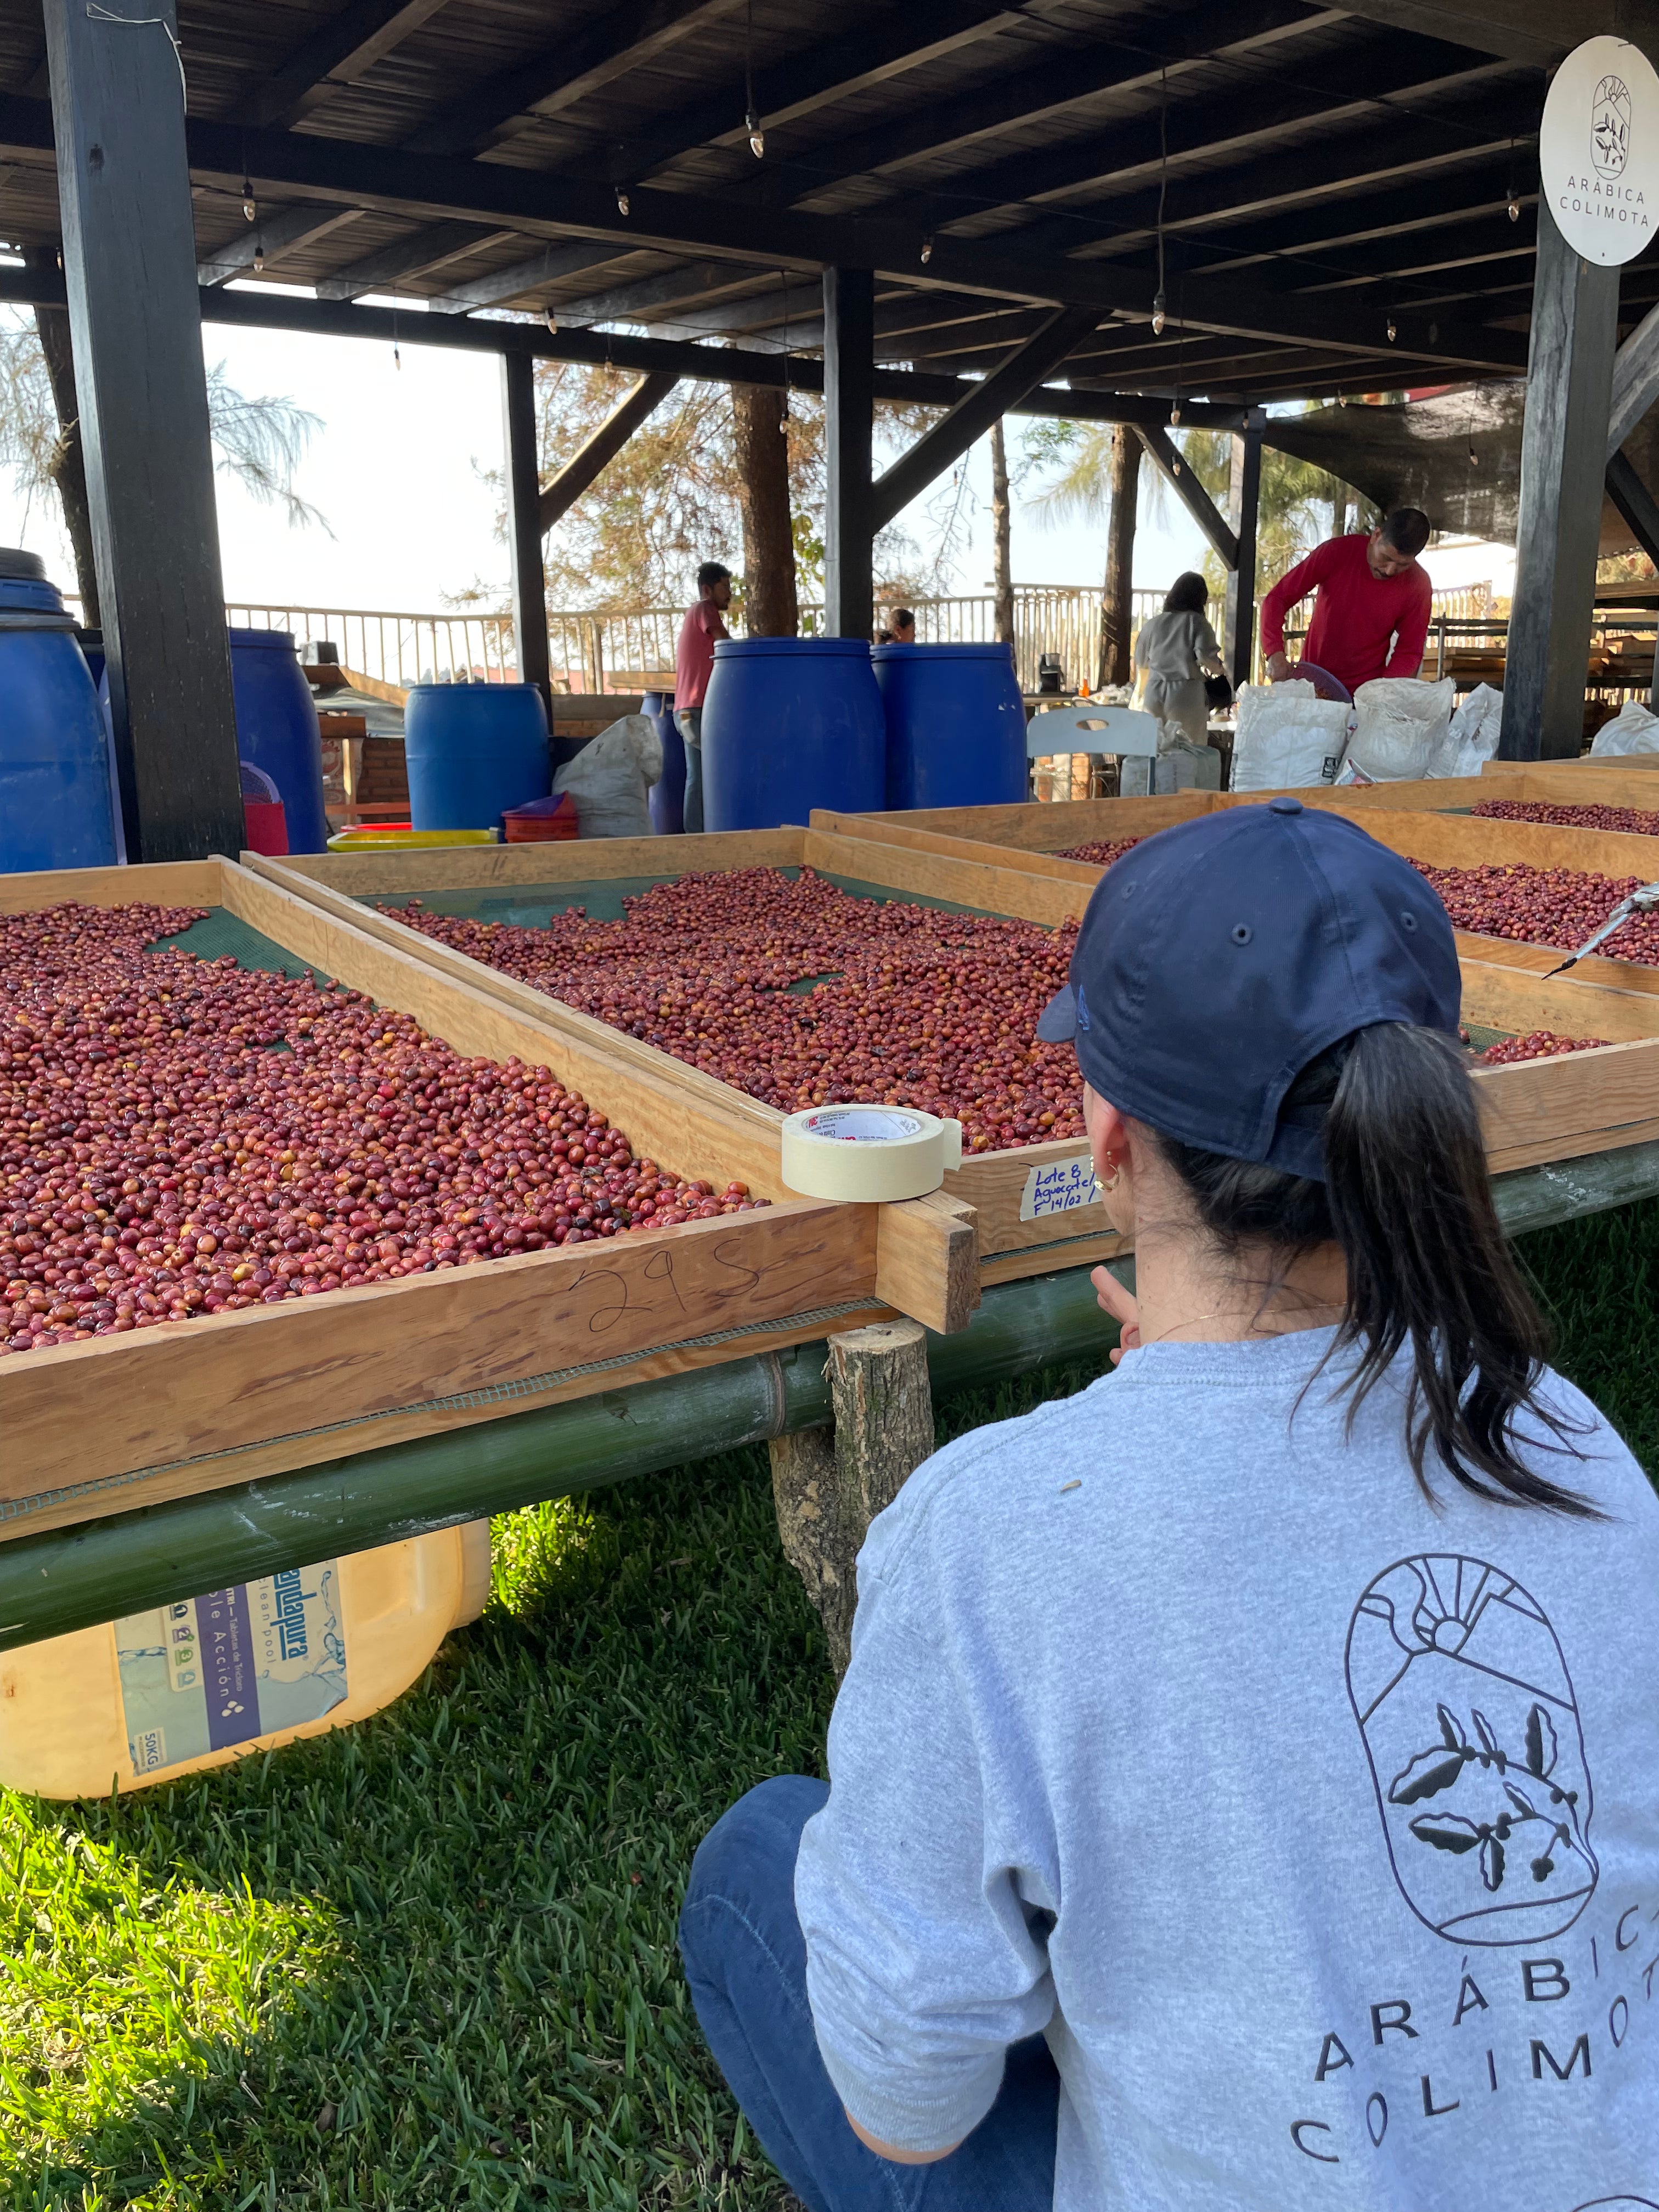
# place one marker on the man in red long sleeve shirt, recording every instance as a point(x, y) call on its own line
point(694, 664)
point(1371, 616)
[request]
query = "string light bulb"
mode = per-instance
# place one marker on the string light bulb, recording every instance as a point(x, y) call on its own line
point(783, 415)
point(551, 319)
point(250, 205)
point(622, 201)
point(1514, 209)
point(757, 136)
point(1175, 415)
point(1393, 332)
point(927, 249)
point(1159, 318)
point(259, 260)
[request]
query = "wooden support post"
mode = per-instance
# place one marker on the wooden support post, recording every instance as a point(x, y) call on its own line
point(1575, 323)
point(524, 522)
point(1244, 500)
point(1117, 602)
point(849, 338)
point(830, 1484)
point(1192, 495)
point(135, 322)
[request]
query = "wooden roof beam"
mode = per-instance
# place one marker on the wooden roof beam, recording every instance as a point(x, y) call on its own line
point(1345, 90)
point(1284, 183)
point(688, 285)
point(981, 406)
point(557, 259)
point(1540, 32)
point(1062, 80)
point(344, 49)
point(284, 230)
point(1285, 240)
point(788, 91)
point(495, 193)
point(714, 364)
point(617, 39)
point(414, 256)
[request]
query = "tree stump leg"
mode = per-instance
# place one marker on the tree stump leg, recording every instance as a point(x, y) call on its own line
point(829, 1486)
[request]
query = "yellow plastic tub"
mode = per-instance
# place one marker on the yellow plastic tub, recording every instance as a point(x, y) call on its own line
point(185, 1687)
point(399, 840)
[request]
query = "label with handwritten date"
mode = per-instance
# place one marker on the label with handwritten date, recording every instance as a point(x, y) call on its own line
point(1058, 1186)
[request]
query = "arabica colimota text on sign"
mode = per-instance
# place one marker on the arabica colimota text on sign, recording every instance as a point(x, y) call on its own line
point(1598, 151)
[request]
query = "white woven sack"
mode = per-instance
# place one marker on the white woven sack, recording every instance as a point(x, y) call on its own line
point(610, 780)
point(1471, 739)
point(1400, 725)
point(1287, 735)
point(1633, 730)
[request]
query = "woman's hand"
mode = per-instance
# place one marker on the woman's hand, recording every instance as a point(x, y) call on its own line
point(1112, 1299)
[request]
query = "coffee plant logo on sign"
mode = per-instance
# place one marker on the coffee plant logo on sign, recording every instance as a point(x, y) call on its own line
point(1471, 1727)
point(1598, 151)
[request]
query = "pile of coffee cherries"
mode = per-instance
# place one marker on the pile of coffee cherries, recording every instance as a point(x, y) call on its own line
point(1537, 1044)
point(1556, 907)
point(1638, 821)
point(181, 1136)
point(903, 1004)
point(1102, 853)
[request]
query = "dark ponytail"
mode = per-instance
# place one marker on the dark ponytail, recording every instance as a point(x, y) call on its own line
point(1407, 1198)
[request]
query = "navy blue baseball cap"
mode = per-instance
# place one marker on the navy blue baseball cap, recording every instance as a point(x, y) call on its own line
point(1216, 959)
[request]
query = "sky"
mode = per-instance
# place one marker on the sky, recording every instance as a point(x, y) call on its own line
point(399, 466)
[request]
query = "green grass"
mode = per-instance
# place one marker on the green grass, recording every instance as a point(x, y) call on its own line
point(430, 1961)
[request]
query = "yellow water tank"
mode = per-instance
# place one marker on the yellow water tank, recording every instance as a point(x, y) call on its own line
point(210, 1680)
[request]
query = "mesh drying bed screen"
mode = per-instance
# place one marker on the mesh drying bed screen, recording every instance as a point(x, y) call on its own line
point(220, 932)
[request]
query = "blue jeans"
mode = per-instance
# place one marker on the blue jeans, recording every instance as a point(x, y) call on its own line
point(746, 1960)
point(690, 725)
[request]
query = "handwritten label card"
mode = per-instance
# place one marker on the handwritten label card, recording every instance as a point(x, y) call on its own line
point(1059, 1187)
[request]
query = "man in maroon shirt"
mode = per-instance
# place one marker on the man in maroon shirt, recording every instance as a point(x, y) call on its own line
point(1371, 616)
point(694, 664)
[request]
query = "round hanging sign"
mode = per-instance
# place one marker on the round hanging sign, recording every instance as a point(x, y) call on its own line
point(1598, 151)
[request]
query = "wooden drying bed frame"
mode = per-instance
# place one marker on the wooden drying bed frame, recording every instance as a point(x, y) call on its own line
point(122, 1421)
point(993, 1184)
point(1535, 1112)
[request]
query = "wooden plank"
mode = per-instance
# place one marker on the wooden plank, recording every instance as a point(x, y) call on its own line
point(1459, 840)
point(1498, 997)
point(994, 890)
point(165, 883)
point(248, 1377)
point(898, 832)
point(927, 1260)
point(1029, 826)
point(63, 1506)
point(575, 860)
point(1048, 1258)
point(993, 1184)
point(1555, 1108)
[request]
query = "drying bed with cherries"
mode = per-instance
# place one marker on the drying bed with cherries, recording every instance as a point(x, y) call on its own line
point(1102, 852)
point(181, 1136)
point(910, 1005)
point(1554, 907)
point(1537, 1044)
point(1634, 821)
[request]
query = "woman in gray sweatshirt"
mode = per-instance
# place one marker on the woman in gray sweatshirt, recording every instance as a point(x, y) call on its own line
point(1244, 1793)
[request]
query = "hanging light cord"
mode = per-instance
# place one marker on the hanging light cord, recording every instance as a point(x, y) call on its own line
point(97, 14)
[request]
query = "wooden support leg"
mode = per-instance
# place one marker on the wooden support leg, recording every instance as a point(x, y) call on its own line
point(830, 1484)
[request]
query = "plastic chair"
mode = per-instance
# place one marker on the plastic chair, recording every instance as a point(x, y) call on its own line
point(1095, 730)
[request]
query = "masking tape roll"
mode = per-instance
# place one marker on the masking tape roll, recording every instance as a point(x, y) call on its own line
point(868, 1154)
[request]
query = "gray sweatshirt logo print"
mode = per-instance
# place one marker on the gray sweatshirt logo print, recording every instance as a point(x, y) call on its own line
point(1469, 1723)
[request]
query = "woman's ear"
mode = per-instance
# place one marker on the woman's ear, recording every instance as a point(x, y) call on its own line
point(1108, 1135)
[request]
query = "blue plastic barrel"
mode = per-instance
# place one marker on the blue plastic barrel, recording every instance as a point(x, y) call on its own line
point(276, 729)
point(473, 751)
point(55, 800)
point(789, 724)
point(668, 792)
point(956, 724)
